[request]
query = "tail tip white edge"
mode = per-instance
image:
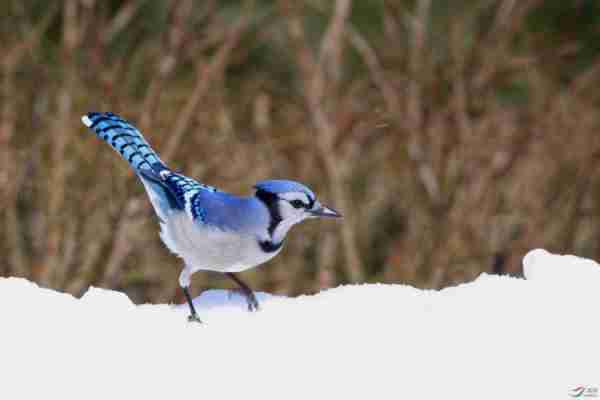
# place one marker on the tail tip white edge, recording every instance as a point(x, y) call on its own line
point(86, 121)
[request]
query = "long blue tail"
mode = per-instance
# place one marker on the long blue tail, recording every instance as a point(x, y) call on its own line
point(125, 139)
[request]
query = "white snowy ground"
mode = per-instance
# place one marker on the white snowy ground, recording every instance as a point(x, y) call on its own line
point(494, 338)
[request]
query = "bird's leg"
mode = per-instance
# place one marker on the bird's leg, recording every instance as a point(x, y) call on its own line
point(246, 291)
point(193, 317)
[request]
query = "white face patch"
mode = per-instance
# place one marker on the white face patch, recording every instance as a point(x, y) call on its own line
point(290, 216)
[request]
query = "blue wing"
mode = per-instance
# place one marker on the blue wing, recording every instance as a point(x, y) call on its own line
point(182, 192)
point(187, 191)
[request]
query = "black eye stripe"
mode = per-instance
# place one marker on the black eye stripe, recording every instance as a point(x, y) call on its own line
point(298, 204)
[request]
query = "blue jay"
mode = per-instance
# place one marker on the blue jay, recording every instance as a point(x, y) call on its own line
point(210, 229)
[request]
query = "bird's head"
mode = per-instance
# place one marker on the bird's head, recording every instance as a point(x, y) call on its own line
point(289, 203)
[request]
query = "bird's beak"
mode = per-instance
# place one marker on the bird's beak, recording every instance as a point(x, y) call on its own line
point(322, 211)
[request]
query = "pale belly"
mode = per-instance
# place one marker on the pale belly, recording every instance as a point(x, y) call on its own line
point(210, 249)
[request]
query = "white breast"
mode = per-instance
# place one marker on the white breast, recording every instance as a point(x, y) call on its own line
point(207, 248)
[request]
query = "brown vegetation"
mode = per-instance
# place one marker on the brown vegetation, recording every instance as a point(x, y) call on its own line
point(451, 143)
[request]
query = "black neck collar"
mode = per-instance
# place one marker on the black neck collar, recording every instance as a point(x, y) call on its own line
point(268, 246)
point(270, 201)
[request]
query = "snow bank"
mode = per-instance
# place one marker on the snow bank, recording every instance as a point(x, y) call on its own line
point(494, 338)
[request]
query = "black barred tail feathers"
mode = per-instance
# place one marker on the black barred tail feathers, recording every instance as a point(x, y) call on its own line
point(125, 139)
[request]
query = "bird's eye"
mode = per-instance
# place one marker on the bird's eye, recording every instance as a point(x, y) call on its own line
point(297, 203)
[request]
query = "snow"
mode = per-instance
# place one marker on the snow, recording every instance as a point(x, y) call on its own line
point(494, 338)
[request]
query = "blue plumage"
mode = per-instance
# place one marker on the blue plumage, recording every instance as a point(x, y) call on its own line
point(124, 138)
point(207, 228)
point(283, 186)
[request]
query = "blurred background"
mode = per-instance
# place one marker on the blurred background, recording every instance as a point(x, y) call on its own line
point(453, 135)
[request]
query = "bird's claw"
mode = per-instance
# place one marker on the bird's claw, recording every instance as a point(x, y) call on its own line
point(249, 296)
point(252, 303)
point(194, 318)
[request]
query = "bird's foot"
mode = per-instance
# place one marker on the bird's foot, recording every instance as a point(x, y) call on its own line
point(249, 296)
point(194, 318)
